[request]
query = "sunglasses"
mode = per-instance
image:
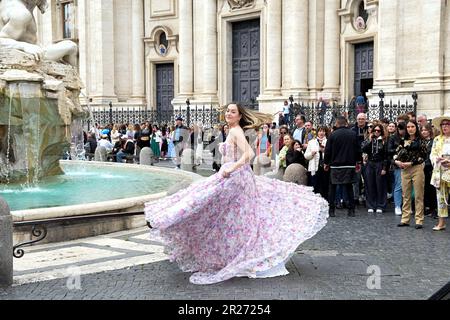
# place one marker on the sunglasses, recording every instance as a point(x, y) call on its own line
point(445, 124)
point(377, 130)
point(369, 126)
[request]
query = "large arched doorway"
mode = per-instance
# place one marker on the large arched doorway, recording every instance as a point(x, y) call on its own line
point(363, 68)
point(246, 61)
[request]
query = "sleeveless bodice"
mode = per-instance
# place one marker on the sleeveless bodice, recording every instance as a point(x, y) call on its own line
point(230, 152)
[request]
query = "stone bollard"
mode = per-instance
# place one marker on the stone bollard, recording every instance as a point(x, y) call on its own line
point(146, 157)
point(296, 173)
point(6, 245)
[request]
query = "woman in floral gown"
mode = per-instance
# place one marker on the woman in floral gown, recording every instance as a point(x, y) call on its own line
point(236, 224)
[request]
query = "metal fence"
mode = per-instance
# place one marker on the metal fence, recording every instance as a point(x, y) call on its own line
point(327, 115)
point(207, 116)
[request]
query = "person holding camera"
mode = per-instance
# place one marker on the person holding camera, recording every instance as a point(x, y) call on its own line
point(376, 169)
point(314, 154)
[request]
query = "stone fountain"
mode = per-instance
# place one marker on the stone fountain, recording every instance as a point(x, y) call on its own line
point(39, 110)
point(39, 97)
point(38, 104)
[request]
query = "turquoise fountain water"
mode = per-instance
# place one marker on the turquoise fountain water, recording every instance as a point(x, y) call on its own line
point(86, 184)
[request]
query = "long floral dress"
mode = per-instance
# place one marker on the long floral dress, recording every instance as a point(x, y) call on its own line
point(242, 226)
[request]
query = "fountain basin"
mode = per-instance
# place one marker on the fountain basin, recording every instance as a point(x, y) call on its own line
point(126, 198)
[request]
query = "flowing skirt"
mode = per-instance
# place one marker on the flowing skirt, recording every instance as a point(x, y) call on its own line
point(242, 226)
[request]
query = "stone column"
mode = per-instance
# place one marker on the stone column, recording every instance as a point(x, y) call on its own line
point(6, 245)
point(295, 46)
point(331, 47)
point(432, 43)
point(273, 47)
point(185, 57)
point(137, 36)
point(209, 49)
point(387, 38)
point(316, 43)
point(83, 31)
point(100, 49)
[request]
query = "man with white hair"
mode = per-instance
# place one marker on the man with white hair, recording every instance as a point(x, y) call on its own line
point(422, 120)
point(18, 30)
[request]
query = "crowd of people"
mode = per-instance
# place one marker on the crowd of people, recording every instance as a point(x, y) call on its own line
point(368, 163)
point(166, 142)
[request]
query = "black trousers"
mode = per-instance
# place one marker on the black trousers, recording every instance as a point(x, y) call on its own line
point(430, 197)
point(321, 182)
point(332, 195)
point(376, 187)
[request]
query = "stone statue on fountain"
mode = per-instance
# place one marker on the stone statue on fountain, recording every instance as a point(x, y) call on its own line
point(18, 30)
point(48, 75)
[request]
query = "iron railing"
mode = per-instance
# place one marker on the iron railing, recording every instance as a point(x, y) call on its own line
point(207, 115)
point(39, 227)
point(327, 116)
point(204, 115)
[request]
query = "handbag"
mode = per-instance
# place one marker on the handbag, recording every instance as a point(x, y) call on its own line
point(445, 173)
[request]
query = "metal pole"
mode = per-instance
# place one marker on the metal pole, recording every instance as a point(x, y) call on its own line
point(6, 245)
point(381, 96)
point(188, 112)
point(415, 97)
point(110, 112)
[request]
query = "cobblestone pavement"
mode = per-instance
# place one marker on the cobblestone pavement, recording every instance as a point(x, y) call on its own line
point(335, 264)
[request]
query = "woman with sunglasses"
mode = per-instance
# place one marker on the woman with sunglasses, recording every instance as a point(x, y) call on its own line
point(440, 158)
point(377, 166)
point(410, 157)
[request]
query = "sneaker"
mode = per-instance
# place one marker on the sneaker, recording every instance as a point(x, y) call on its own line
point(398, 211)
point(379, 211)
point(370, 211)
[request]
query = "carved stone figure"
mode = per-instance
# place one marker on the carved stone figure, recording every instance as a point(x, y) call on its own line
point(18, 30)
point(239, 4)
point(360, 23)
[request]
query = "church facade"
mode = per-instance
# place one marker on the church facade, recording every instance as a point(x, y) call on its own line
point(156, 54)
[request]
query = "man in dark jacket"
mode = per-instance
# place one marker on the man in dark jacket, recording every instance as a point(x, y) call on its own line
point(181, 140)
point(360, 130)
point(343, 156)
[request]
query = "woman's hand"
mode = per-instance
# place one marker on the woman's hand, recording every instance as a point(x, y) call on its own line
point(445, 163)
point(383, 172)
point(407, 165)
point(226, 173)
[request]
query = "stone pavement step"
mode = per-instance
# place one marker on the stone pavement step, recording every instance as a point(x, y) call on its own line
point(91, 255)
point(362, 258)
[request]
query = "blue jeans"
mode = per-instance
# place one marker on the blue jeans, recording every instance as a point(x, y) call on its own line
point(341, 194)
point(396, 177)
point(121, 155)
